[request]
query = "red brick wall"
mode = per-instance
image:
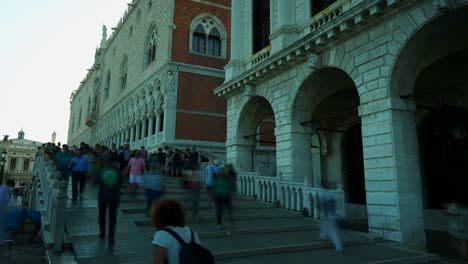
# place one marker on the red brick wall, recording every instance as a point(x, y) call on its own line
point(195, 92)
point(199, 127)
point(185, 11)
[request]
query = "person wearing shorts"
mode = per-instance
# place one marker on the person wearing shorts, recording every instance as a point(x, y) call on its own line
point(212, 170)
point(137, 166)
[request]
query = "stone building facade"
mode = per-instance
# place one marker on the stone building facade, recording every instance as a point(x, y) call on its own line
point(19, 155)
point(152, 81)
point(369, 98)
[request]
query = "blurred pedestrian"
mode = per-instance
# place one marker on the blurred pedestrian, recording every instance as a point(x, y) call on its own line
point(223, 192)
point(212, 170)
point(4, 194)
point(62, 158)
point(136, 167)
point(109, 181)
point(192, 179)
point(154, 186)
point(330, 227)
point(458, 227)
point(80, 168)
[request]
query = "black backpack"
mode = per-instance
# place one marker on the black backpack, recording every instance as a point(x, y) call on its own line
point(191, 253)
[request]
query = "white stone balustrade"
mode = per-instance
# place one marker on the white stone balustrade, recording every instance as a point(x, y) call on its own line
point(49, 196)
point(289, 195)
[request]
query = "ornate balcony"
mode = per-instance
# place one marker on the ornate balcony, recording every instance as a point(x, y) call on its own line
point(92, 119)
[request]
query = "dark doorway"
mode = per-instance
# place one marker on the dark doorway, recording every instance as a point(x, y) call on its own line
point(353, 165)
point(444, 156)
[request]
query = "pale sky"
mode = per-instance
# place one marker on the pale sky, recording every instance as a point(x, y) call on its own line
point(45, 48)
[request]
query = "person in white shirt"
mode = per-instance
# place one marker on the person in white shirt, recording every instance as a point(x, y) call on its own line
point(169, 214)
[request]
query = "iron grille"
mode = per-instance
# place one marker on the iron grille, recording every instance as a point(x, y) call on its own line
point(261, 24)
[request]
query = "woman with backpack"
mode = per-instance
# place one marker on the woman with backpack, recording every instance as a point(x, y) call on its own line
point(174, 242)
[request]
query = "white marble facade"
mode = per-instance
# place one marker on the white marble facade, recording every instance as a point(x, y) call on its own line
point(380, 66)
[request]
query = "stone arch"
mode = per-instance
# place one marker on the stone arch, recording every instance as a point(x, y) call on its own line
point(275, 193)
point(150, 44)
point(294, 199)
point(255, 137)
point(311, 206)
point(300, 206)
point(261, 189)
point(325, 103)
point(269, 196)
point(283, 197)
point(412, 57)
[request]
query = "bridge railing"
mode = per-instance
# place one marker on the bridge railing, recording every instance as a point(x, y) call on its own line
point(49, 196)
point(293, 196)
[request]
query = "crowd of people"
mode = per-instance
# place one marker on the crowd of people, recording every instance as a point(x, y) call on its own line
point(118, 169)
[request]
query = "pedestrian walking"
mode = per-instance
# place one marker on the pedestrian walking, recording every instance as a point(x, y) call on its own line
point(136, 167)
point(174, 242)
point(62, 158)
point(80, 168)
point(223, 192)
point(154, 186)
point(330, 228)
point(109, 182)
point(212, 170)
point(192, 179)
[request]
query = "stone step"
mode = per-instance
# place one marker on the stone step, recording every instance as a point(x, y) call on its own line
point(246, 224)
point(354, 253)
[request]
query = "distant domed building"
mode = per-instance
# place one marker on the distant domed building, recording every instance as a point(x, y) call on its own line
point(18, 155)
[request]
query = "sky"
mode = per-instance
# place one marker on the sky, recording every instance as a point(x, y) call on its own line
point(45, 48)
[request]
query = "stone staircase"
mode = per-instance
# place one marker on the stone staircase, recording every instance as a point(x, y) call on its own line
point(259, 234)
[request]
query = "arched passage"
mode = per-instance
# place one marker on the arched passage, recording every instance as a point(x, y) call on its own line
point(327, 137)
point(431, 76)
point(256, 138)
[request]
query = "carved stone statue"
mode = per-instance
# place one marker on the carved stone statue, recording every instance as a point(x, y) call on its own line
point(443, 5)
point(315, 62)
point(249, 91)
point(104, 36)
point(5, 137)
point(170, 83)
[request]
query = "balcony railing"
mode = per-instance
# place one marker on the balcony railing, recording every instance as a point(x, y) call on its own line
point(260, 56)
point(327, 14)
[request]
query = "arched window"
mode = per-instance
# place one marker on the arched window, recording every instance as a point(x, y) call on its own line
point(107, 85)
point(214, 43)
point(123, 73)
point(208, 36)
point(151, 49)
point(26, 165)
point(13, 164)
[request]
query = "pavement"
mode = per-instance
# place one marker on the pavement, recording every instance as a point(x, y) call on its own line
point(259, 233)
point(21, 251)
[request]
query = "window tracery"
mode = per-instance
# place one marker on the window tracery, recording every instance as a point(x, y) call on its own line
point(124, 71)
point(151, 49)
point(208, 37)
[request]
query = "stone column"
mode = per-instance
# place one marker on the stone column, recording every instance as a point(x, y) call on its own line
point(158, 126)
point(61, 204)
point(132, 132)
point(284, 34)
point(236, 64)
point(150, 125)
point(144, 129)
point(392, 173)
point(138, 130)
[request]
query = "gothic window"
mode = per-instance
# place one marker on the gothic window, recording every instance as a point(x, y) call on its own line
point(26, 165)
point(319, 5)
point(261, 25)
point(107, 85)
point(208, 37)
point(13, 164)
point(151, 49)
point(214, 43)
point(123, 73)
